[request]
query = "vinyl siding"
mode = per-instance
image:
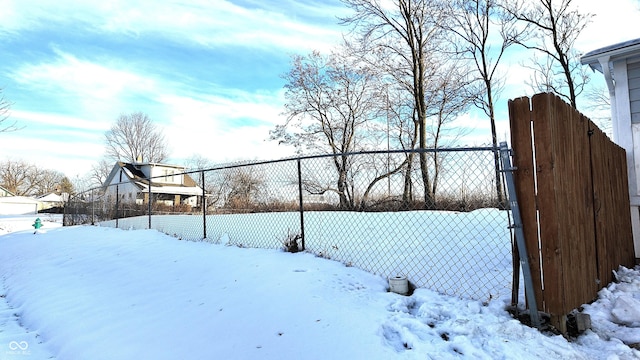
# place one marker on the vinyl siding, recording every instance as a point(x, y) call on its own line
point(633, 73)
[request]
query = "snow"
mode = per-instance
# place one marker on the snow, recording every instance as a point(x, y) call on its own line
point(88, 292)
point(466, 254)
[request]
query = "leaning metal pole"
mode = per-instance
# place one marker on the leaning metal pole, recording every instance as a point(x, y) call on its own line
point(519, 234)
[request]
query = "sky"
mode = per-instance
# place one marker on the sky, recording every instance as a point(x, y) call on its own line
point(208, 73)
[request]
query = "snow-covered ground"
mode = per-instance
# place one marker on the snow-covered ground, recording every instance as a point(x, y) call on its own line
point(466, 254)
point(101, 293)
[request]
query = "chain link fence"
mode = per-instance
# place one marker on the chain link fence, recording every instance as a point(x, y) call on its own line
point(444, 227)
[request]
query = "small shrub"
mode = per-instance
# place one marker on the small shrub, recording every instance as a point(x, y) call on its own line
point(292, 242)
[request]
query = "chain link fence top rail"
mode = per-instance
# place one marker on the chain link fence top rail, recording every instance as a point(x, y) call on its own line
point(370, 210)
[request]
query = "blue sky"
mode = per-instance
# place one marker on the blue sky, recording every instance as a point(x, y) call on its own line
point(208, 73)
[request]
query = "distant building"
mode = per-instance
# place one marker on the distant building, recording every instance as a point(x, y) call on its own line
point(18, 205)
point(165, 184)
point(52, 200)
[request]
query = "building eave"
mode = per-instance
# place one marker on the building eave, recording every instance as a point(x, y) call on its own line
point(613, 52)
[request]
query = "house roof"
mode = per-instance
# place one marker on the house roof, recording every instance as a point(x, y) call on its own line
point(18, 200)
point(4, 190)
point(129, 169)
point(136, 172)
point(159, 164)
point(624, 49)
point(53, 197)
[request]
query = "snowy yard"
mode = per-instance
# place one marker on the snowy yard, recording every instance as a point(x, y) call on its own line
point(455, 253)
point(101, 293)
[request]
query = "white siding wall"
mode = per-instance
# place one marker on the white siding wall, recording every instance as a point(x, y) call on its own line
point(166, 175)
point(127, 191)
point(626, 72)
point(18, 208)
point(633, 72)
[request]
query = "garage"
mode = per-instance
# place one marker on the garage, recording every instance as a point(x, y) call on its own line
point(18, 205)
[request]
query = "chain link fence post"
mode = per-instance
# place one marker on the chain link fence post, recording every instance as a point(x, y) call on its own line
point(93, 208)
point(204, 206)
point(301, 205)
point(118, 199)
point(149, 202)
point(519, 234)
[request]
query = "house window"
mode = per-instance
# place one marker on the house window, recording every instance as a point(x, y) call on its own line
point(168, 176)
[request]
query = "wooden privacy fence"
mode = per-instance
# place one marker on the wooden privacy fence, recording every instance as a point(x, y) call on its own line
point(571, 184)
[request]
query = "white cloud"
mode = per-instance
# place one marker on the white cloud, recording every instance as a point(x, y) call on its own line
point(71, 155)
point(614, 22)
point(81, 77)
point(232, 104)
point(236, 121)
point(220, 23)
point(39, 120)
point(202, 22)
point(224, 128)
point(246, 143)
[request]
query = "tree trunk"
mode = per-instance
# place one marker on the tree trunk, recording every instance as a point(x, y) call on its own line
point(342, 185)
point(494, 138)
point(407, 193)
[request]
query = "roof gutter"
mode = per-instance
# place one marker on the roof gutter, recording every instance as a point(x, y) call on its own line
point(626, 49)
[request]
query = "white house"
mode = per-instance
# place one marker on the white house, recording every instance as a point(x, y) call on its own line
point(620, 65)
point(167, 184)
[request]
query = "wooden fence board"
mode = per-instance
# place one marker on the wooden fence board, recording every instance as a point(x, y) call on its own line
point(614, 240)
point(551, 248)
point(520, 113)
point(577, 229)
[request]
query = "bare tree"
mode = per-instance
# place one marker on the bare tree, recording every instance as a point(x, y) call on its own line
point(451, 98)
point(213, 185)
point(600, 107)
point(100, 171)
point(243, 189)
point(330, 101)
point(81, 184)
point(555, 26)
point(14, 176)
point(409, 34)
point(135, 138)
point(26, 179)
point(476, 24)
point(46, 181)
point(198, 162)
point(5, 124)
